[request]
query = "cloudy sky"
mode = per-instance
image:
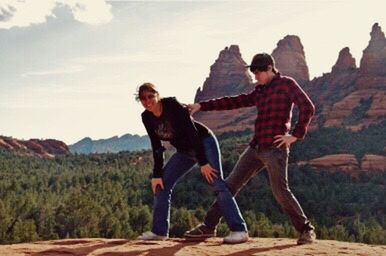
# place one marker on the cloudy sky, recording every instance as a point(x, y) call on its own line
point(69, 68)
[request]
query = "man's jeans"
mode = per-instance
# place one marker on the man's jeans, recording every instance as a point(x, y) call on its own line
point(251, 162)
point(180, 164)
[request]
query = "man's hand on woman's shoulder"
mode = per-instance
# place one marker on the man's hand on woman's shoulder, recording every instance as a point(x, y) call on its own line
point(193, 108)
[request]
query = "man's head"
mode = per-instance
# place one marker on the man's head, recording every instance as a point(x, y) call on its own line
point(263, 67)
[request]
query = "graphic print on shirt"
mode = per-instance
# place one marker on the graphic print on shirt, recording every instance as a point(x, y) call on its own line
point(164, 130)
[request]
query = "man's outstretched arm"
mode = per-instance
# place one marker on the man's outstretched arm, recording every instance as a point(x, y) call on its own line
point(225, 103)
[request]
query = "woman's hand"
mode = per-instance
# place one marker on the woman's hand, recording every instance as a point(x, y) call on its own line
point(193, 108)
point(155, 182)
point(209, 173)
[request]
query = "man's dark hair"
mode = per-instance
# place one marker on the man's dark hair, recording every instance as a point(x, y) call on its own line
point(261, 61)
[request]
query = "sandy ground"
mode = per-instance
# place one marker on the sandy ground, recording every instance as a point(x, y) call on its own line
point(213, 246)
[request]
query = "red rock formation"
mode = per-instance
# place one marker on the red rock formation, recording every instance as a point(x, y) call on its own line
point(348, 163)
point(183, 247)
point(373, 163)
point(339, 162)
point(55, 147)
point(290, 59)
point(228, 76)
point(340, 113)
point(373, 61)
point(41, 148)
point(350, 97)
point(345, 62)
point(330, 87)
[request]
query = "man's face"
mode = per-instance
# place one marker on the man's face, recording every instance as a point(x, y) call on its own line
point(261, 76)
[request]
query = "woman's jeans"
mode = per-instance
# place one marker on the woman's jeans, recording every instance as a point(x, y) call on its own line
point(180, 164)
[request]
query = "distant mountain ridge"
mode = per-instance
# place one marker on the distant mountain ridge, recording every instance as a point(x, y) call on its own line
point(114, 144)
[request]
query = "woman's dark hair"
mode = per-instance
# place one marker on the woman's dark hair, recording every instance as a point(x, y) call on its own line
point(146, 87)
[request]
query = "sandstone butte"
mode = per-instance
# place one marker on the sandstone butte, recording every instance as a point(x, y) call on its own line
point(180, 247)
point(338, 95)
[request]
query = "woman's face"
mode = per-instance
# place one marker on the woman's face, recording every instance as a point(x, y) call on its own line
point(149, 100)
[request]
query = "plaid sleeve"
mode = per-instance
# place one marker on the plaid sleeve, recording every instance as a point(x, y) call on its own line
point(233, 102)
point(306, 108)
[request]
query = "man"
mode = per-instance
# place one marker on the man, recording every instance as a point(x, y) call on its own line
point(273, 97)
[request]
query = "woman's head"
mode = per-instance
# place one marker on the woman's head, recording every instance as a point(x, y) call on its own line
point(148, 95)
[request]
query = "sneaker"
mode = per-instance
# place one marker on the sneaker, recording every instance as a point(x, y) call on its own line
point(236, 237)
point(307, 237)
point(200, 231)
point(151, 236)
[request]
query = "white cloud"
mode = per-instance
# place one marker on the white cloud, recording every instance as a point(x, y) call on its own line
point(141, 57)
point(23, 13)
point(89, 11)
point(57, 71)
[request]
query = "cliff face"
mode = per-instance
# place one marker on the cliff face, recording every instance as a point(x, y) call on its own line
point(352, 97)
point(345, 62)
point(41, 148)
point(348, 163)
point(373, 61)
point(228, 76)
point(290, 59)
point(348, 96)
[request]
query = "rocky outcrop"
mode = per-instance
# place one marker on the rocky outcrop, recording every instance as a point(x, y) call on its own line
point(348, 163)
point(183, 247)
point(347, 97)
point(373, 69)
point(290, 59)
point(345, 62)
point(373, 61)
point(373, 163)
point(331, 88)
point(356, 111)
point(42, 148)
point(352, 97)
point(228, 76)
point(341, 162)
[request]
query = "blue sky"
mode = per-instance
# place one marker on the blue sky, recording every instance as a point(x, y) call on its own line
point(69, 68)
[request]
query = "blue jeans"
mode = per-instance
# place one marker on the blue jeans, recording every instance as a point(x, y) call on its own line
point(180, 164)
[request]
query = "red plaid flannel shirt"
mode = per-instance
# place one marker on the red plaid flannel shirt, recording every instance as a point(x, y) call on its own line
point(274, 103)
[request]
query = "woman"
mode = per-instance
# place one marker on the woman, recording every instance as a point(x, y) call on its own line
point(165, 119)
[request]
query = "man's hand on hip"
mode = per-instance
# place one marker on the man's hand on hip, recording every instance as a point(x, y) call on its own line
point(286, 139)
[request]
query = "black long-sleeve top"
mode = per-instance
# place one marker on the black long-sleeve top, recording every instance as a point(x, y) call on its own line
point(176, 126)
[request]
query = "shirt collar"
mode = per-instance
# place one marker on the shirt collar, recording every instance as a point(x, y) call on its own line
point(275, 77)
